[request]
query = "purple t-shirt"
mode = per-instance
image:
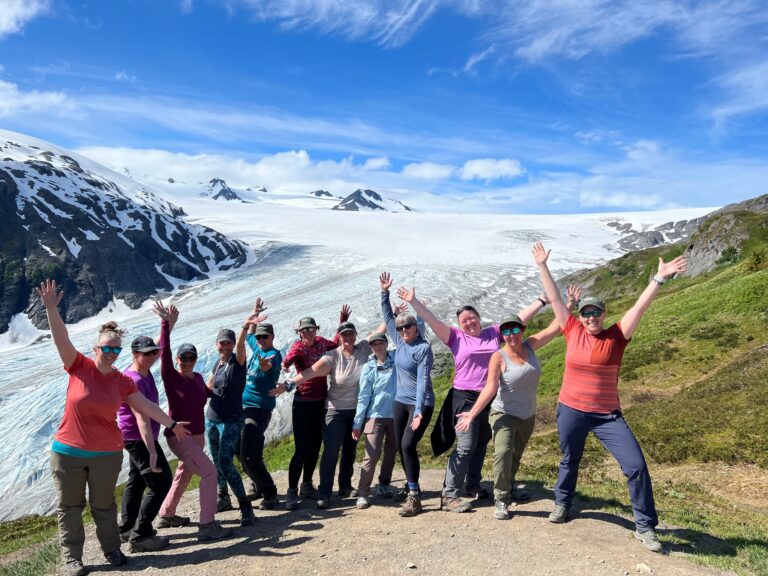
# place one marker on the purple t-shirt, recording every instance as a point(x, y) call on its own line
point(126, 419)
point(472, 354)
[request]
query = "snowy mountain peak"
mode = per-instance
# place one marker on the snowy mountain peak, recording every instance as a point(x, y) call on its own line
point(322, 194)
point(370, 200)
point(218, 190)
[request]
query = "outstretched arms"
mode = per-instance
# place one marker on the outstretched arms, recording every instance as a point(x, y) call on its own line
point(666, 270)
point(540, 255)
point(50, 299)
point(545, 336)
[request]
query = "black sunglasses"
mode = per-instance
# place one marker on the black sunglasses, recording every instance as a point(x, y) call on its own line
point(262, 336)
point(150, 353)
point(405, 327)
point(188, 358)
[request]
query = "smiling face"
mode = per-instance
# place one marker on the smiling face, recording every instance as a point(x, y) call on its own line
point(144, 360)
point(348, 338)
point(186, 363)
point(469, 322)
point(107, 358)
point(408, 332)
point(265, 341)
point(592, 319)
point(379, 348)
point(224, 348)
point(513, 335)
point(308, 335)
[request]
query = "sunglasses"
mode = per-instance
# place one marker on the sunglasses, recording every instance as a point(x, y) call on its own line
point(188, 358)
point(113, 349)
point(405, 327)
point(596, 313)
point(262, 336)
point(150, 353)
point(308, 330)
point(513, 330)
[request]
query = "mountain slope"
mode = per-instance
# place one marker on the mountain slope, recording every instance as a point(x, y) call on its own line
point(370, 200)
point(98, 233)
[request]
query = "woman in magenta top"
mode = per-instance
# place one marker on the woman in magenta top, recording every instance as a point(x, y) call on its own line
point(187, 394)
point(308, 409)
point(472, 347)
point(87, 449)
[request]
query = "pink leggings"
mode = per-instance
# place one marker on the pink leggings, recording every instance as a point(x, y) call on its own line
point(192, 460)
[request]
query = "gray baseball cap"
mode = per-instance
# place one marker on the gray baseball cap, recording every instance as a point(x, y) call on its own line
point(307, 322)
point(591, 301)
point(226, 335)
point(346, 327)
point(264, 329)
point(512, 320)
point(377, 337)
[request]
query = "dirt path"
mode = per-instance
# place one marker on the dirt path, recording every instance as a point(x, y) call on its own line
point(344, 540)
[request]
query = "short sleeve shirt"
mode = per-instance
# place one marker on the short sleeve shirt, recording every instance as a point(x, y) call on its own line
point(344, 378)
point(91, 405)
point(472, 355)
point(126, 419)
point(592, 364)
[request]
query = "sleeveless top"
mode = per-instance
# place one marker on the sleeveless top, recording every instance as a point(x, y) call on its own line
point(517, 386)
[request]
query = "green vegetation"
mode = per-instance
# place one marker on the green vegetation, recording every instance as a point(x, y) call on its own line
point(693, 386)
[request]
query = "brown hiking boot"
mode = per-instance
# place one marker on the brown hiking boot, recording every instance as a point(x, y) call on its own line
point(412, 505)
point(458, 505)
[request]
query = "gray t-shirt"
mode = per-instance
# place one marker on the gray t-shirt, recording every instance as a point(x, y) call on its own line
point(517, 386)
point(344, 378)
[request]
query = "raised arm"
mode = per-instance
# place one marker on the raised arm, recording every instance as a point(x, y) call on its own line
point(440, 328)
point(540, 255)
point(533, 308)
point(385, 283)
point(248, 326)
point(167, 315)
point(50, 299)
point(544, 337)
point(666, 270)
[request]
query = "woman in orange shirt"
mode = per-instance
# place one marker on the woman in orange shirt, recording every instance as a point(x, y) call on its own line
point(87, 449)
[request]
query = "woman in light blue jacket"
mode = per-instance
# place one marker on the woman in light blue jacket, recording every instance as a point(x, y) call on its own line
point(375, 418)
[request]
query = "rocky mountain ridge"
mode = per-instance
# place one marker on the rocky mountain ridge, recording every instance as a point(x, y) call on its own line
point(370, 200)
point(99, 233)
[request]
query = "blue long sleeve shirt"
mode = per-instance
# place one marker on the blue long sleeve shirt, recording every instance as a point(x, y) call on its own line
point(378, 387)
point(258, 383)
point(413, 364)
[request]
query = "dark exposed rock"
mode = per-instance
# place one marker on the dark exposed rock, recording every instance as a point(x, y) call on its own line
point(369, 200)
point(218, 190)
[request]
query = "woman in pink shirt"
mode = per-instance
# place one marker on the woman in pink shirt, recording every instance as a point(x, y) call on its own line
point(87, 449)
point(472, 347)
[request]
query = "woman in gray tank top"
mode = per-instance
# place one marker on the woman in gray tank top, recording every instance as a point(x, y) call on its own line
point(513, 375)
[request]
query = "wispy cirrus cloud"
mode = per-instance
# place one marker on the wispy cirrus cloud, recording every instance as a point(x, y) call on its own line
point(747, 93)
point(15, 14)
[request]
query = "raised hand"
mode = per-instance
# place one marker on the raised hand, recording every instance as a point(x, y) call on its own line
point(540, 255)
point(676, 266)
point(406, 295)
point(161, 310)
point(255, 318)
point(173, 314)
point(573, 295)
point(48, 295)
point(259, 307)
point(385, 281)
point(401, 308)
point(345, 313)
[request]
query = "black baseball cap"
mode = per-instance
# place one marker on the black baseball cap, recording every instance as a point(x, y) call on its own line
point(143, 344)
point(184, 348)
point(346, 327)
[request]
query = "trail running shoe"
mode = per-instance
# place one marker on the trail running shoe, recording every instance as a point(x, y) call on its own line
point(212, 531)
point(149, 544)
point(458, 505)
point(172, 521)
point(650, 540)
point(560, 514)
point(500, 511)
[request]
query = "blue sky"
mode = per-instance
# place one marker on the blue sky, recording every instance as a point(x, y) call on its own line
point(533, 106)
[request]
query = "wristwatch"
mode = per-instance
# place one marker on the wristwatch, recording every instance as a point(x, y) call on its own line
point(659, 280)
point(289, 385)
point(172, 426)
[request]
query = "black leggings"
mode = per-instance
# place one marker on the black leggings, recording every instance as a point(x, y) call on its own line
point(308, 421)
point(256, 421)
point(408, 439)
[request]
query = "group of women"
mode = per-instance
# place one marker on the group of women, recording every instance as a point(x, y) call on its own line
point(344, 389)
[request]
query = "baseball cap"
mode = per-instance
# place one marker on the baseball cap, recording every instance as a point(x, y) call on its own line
point(226, 335)
point(346, 327)
point(143, 344)
point(512, 320)
point(377, 337)
point(264, 329)
point(184, 348)
point(591, 301)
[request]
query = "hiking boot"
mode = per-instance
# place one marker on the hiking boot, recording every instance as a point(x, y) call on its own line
point(74, 568)
point(116, 558)
point(269, 502)
point(385, 491)
point(246, 512)
point(212, 531)
point(149, 544)
point(650, 540)
point(363, 502)
point(223, 502)
point(519, 495)
point(458, 505)
point(560, 514)
point(500, 511)
point(253, 492)
point(476, 493)
point(172, 521)
point(292, 499)
point(125, 536)
point(307, 491)
point(412, 505)
point(324, 502)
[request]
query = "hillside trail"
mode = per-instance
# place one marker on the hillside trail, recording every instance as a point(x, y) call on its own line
point(343, 540)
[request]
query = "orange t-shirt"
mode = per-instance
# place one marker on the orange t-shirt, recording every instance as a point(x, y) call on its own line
point(90, 409)
point(592, 363)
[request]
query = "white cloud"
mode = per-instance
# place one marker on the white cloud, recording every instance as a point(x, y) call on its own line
point(747, 92)
point(123, 76)
point(478, 57)
point(598, 199)
point(428, 170)
point(491, 169)
point(379, 163)
point(187, 6)
point(14, 102)
point(15, 14)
